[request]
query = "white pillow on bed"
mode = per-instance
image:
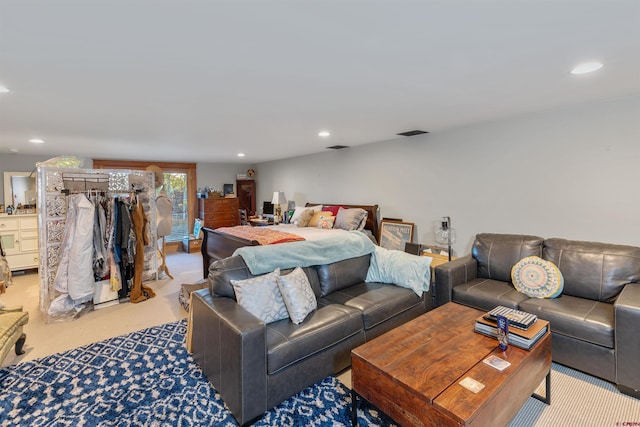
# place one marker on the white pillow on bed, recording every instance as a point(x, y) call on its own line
point(300, 209)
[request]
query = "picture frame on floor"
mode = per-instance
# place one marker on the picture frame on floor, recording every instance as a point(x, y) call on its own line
point(394, 234)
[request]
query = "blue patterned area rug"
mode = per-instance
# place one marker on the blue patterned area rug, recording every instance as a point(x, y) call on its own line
point(147, 378)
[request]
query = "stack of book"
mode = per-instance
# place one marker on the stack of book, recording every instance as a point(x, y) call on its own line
point(518, 337)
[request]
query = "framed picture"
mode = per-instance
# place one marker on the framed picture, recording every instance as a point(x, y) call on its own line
point(394, 234)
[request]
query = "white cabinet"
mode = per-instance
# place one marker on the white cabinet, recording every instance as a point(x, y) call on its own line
point(19, 234)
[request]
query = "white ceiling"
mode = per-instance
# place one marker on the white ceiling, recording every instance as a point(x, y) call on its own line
point(190, 80)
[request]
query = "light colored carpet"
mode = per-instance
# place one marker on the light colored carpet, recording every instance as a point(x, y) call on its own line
point(45, 339)
point(577, 399)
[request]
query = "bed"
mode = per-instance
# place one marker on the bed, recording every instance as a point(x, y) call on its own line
point(218, 245)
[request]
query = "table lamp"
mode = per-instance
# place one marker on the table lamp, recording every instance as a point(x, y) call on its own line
point(445, 235)
point(278, 199)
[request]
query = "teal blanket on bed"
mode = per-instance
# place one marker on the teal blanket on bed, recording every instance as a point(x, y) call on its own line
point(264, 259)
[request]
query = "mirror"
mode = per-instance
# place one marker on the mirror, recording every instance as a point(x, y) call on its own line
point(20, 190)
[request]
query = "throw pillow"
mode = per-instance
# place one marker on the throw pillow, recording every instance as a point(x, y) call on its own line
point(261, 297)
point(317, 217)
point(537, 278)
point(401, 269)
point(333, 209)
point(326, 222)
point(297, 294)
point(350, 219)
point(300, 209)
point(304, 219)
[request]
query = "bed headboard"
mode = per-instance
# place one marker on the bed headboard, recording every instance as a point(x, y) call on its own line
point(372, 225)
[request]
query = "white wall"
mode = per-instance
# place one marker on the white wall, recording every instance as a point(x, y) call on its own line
point(17, 163)
point(571, 173)
point(215, 175)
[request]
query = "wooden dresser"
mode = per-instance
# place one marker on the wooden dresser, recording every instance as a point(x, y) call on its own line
point(219, 212)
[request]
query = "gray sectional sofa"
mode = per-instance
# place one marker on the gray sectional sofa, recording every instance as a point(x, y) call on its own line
point(594, 322)
point(255, 366)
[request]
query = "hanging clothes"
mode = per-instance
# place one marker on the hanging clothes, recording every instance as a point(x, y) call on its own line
point(140, 292)
point(100, 252)
point(74, 277)
point(122, 249)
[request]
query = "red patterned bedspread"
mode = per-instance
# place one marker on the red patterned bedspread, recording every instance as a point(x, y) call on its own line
point(263, 235)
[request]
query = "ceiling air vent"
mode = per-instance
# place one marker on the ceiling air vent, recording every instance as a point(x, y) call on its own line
point(412, 133)
point(338, 147)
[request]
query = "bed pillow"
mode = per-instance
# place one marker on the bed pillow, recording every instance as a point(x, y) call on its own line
point(261, 297)
point(304, 219)
point(537, 278)
point(401, 269)
point(333, 209)
point(317, 217)
point(326, 222)
point(297, 294)
point(300, 209)
point(351, 219)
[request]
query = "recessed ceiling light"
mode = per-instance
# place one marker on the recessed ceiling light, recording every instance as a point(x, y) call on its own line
point(586, 67)
point(36, 141)
point(13, 150)
point(324, 134)
point(4, 89)
point(240, 154)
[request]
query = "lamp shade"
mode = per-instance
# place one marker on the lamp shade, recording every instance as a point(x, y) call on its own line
point(279, 198)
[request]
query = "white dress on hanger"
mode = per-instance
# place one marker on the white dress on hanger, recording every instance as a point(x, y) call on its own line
point(74, 276)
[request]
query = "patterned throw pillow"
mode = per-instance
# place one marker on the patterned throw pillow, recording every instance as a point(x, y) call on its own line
point(537, 278)
point(326, 222)
point(317, 217)
point(306, 216)
point(261, 297)
point(297, 294)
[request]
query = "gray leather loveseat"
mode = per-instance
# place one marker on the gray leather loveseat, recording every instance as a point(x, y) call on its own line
point(594, 322)
point(255, 366)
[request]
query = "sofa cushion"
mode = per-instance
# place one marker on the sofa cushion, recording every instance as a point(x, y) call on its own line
point(537, 278)
point(580, 318)
point(261, 297)
point(498, 253)
point(288, 343)
point(597, 271)
point(342, 274)
point(378, 302)
point(297, 295)
point(486, 294)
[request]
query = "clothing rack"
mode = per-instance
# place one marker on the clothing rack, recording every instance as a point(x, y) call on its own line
point(55, 188)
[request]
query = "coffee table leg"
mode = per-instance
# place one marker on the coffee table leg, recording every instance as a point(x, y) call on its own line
point(354, 409)
point(547, 398)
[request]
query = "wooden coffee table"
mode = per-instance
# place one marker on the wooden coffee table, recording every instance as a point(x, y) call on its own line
point(412, 372)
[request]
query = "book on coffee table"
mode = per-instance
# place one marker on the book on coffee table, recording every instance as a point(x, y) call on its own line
point(520, 338)
point(518, 319)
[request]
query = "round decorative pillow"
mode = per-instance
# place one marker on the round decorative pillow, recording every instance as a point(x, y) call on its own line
point(537, 278)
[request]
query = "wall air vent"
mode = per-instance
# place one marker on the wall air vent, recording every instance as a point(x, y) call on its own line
point(412, 133)
point(338, 147)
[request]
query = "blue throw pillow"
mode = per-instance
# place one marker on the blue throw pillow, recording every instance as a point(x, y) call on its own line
point(400, 268)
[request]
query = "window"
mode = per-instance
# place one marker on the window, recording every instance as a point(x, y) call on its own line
point(180, 185)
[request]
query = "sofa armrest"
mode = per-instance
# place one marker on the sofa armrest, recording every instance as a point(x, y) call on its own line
point(627, 319)
point(452, 274)
point(229, 344)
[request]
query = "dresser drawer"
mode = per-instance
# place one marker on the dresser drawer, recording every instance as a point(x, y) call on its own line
point(7, 224)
